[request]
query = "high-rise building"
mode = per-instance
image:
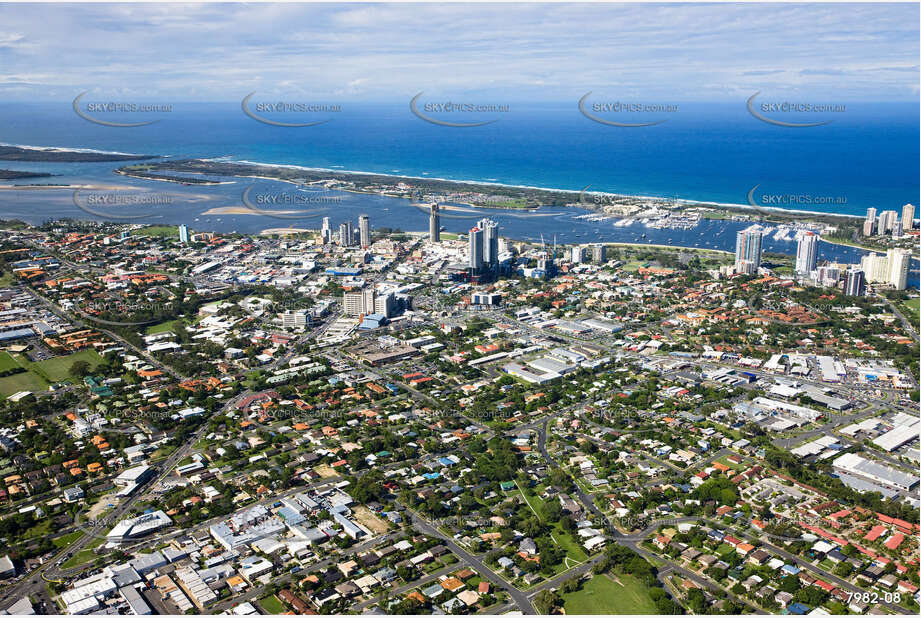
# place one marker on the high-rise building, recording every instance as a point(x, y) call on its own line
point(576, 255)
point(896, 228)
point(434, 224)
point(827, 275)
point(854, 284)
point(326, 234)
point(345, 234)
point(599, 254)
point(806, 251)
point(364, 231)
point(476, 249)
point(869, 224)
point(886, 219)
point(490, 242)
point(748, 250)
point(908, 217)
point(875, 267)
point(899, 262)
point(184, 234)
point(295, 319)
point(385, 304)
point(359, 302)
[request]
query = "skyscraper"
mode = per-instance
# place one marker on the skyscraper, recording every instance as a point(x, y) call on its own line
point(345, 234)
point(599, 254)
point(854, 284)
point(869, 224)
point(364, 231)
point(899, 261)
point(326, 234)
point(908, 217)
point(434, 224)
point(490, 242)
point(748, 250)
point(875, 267)
point(184, 234)
point(476, 249)
point(576, 256)
point(806, 250)
point(886, 219)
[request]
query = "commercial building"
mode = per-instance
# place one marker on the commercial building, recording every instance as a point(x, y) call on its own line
point(852, 463)
point(359, 302)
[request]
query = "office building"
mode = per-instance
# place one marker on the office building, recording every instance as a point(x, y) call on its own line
point(869, 224)
point(364, 231)
point(854, 284)
point(359, 302)
point(476, 249)
point(385, 304)
point(806, 251)
point(434, 224)
point(297, 319)
point(908, 217)
point(748, 250)
point(184, 234)
point(898, 262)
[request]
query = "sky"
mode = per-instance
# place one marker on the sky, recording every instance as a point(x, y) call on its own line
point(511, 52)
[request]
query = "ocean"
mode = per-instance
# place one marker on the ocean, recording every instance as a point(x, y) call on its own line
point(867, 156)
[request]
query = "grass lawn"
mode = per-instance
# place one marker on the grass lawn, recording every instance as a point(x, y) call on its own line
point(603, 595)
point(82, 557)
point(272, 605)
point(912, 309)
point(63, 541)
point(57, 369)
point(161, 230)
point(7, 362)
point(27, 381)
point(162, 327)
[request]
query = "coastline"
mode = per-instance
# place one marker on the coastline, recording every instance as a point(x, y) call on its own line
point(682, 201)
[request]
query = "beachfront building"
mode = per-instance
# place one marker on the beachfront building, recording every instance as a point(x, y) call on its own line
point(908, 217)
point(869, 224)
point(748, 250)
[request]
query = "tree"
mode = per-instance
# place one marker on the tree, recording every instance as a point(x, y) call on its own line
point(546, 601)
point(79, 369)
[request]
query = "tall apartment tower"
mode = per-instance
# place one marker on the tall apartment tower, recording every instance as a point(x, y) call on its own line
point(364, 231)
point(184, 234)
point(748, 250)
point(908, 217)
point(434, 224)
point(869, 224)
point(854, 283)
point(476, 249)
point(899, 262)
point(326, 234)
point(490, 242)
point(806, 251)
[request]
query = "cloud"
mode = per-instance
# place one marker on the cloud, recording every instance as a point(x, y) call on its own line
point(391, 51)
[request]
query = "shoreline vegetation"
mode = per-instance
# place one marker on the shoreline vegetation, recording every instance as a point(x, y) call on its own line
point(519, 197)
point(17, 175)
point(141, 172)
point(57, 155)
